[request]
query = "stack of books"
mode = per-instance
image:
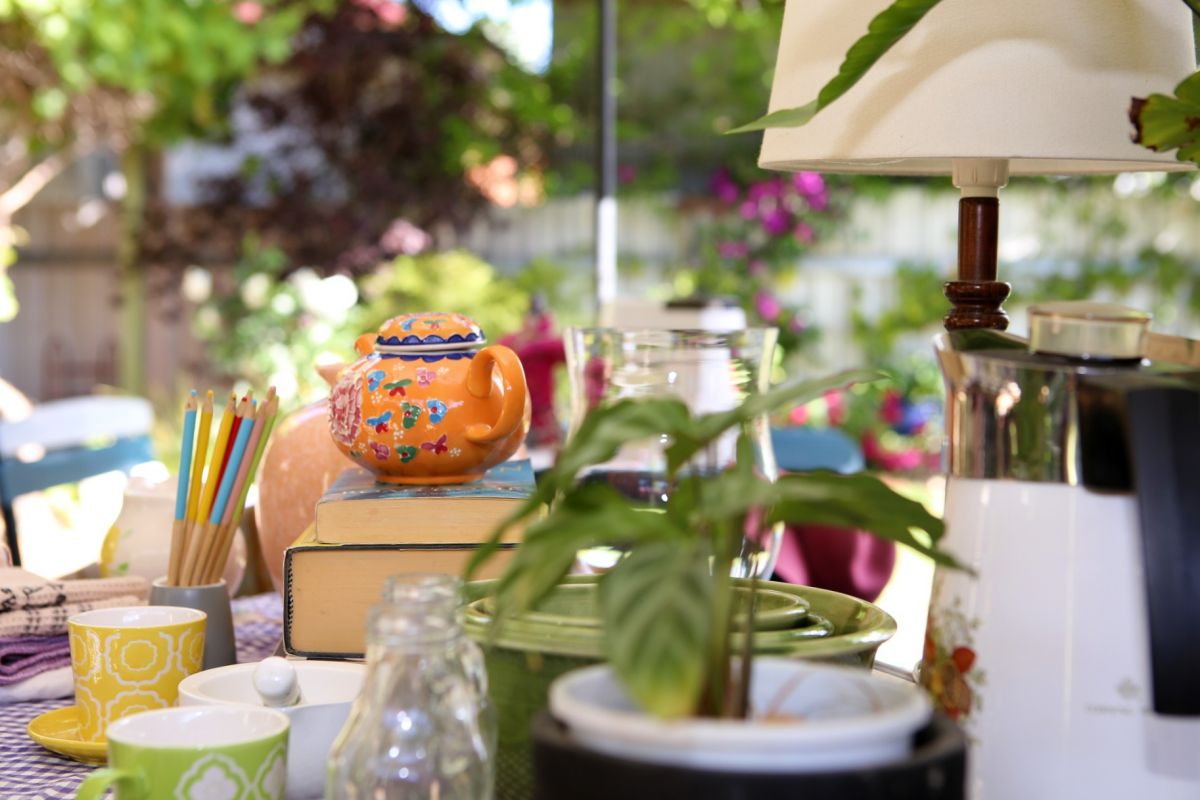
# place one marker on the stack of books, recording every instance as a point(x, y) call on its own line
point(366, 531)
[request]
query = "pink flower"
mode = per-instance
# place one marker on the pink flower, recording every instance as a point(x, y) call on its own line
point(776, 221)
point(798, 415)
point(757, 268)
point(811, 187)
point(891, 410)
point(402, 237)
point(390, 13)
point(803, 233)
point(724, 188)
point(898, 461)
point(626, 173)
point(835, 403)
point(796, 325)
point(808, 183)
point(247, 12)
point(765, 189)
point(749, 209)
point(767, 306)
point(733, 249)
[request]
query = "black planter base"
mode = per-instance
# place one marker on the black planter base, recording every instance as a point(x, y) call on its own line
point(564, 770)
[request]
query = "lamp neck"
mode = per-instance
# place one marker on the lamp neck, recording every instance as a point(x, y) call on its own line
point(977, 296)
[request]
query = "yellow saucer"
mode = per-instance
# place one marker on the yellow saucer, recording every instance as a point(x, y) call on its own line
point(58, 732)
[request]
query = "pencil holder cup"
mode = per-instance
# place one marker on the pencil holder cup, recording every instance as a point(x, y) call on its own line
point(219, 646)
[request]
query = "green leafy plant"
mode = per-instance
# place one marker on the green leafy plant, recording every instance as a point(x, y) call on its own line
point(1162, 122)
point(668, 605)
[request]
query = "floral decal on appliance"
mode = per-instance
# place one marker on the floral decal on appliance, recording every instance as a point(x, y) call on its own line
point(949, 671)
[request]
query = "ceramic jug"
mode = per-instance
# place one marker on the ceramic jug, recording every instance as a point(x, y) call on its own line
point(429, 402)
point(139, 541)
point(1070, 657)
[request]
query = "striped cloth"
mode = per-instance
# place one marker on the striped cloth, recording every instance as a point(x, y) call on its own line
point(53, 620)
point(33, 606)
point(22, 657)
point(21, 590)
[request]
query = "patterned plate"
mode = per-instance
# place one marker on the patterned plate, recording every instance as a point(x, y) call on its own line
point(58, 732)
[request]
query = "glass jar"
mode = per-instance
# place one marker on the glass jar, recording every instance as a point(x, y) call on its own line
point(422, 728)
point(710, 372)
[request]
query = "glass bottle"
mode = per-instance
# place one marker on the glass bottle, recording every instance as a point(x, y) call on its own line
point(422, 728)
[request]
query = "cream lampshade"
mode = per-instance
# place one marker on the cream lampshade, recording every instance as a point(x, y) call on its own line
point(980, 89)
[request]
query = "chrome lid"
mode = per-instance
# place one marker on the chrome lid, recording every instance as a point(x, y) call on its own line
point(1088, 330)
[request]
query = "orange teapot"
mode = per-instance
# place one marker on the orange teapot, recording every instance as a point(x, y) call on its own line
point(428, 402)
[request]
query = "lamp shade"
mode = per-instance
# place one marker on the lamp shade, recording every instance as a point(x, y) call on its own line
point(1043, 84)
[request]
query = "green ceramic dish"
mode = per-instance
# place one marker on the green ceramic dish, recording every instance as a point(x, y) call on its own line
point(574, 606)
point(529, 652)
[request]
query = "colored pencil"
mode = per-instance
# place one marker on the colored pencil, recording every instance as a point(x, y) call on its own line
point(232, 461)
point(198, 531)
point(241, 486)
point(241, 415)
point(199, 454)
point(179, 527)
point(272, 405)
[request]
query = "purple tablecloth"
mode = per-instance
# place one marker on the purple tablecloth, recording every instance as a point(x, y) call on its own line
point(29, 772)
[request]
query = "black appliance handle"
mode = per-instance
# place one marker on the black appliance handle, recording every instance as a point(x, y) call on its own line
point(1164, 443)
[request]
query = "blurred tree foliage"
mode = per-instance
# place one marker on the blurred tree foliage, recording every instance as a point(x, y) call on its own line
point(266, 323)
point(688, 70)
point(76, 75)
point(379, 115)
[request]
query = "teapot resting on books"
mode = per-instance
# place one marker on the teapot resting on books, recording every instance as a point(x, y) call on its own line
point(428, 402)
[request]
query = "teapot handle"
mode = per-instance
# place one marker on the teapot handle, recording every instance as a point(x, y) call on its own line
point(479, 384)
point(365, 344)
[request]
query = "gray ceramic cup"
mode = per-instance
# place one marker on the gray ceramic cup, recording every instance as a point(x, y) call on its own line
point(213, 599)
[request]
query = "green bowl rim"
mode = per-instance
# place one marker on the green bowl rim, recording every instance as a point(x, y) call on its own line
point(881, 627)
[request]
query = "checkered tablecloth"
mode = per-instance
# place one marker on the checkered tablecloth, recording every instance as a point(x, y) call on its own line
point(28, 772)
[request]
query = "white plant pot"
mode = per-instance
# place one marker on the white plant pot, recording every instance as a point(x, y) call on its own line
point(824, 718)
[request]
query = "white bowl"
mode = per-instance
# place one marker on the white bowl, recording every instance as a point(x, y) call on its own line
point(327, 690)
point(825, 718)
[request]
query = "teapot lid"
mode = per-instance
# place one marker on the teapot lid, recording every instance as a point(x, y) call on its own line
point(430, 330)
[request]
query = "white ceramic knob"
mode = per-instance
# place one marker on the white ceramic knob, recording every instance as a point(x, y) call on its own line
point(276, 683)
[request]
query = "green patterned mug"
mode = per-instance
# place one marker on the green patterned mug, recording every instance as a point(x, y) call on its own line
point(195, 753)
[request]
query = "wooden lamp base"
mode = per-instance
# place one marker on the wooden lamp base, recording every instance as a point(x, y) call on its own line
point(977, 296)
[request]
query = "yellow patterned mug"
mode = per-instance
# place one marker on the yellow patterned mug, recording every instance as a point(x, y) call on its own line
point(127, 660)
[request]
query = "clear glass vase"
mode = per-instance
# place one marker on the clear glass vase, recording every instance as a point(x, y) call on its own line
point(423, 727)
point(710, 372)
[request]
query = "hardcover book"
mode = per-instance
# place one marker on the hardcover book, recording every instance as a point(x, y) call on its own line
point(328, 588)
point(358, 510)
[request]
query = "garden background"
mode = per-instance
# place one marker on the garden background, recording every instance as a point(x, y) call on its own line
point(236, 198)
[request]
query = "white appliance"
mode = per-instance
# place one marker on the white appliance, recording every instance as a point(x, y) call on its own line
point(1072, 657)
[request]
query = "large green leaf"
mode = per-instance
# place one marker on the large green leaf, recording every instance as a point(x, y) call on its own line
point(608, 428)
point(859, 502)
point(1165, 122)
point(603, 432)
point(704, 430)
point(657, 610)
point(591, 516)
point(887, 28)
